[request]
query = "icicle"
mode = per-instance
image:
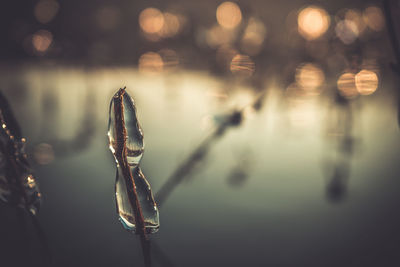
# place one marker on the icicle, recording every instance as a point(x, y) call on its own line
point(136, 207)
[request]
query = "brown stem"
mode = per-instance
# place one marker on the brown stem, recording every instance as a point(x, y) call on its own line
point(121, 155)
point(145, 242)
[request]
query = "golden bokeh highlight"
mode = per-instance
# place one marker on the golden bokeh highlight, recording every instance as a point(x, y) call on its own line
point(374, 18)
point(294, 92)
point(310, 77)
point(217, 36)
point(172, 25)
point(157, 25)
point(253, 37)
point(170, 59)
point(370, 64)
point(229, 15)
point(242, 65)
point(151, 20)
point(151, 63)
point(43, 154)
point(46, 10)
point(347, 85)
point(313, 22)
point(356, 17)
point(366, 82)
point(41, 41)
point(346, 31)
point(30, 181)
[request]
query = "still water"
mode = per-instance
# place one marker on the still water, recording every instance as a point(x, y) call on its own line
point(292, 185)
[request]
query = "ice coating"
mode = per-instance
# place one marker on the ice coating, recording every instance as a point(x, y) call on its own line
point(149, 208)
point(134, 135)
point(133, 193)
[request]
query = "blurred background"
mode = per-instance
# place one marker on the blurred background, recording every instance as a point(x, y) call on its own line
point(271, 130)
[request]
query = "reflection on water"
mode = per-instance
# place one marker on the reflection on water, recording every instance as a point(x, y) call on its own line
point(241, 169)
point(233, 119)
point(264, 174)
point(341, 140)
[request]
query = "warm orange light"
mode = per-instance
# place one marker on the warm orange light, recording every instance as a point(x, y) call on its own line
point(366, 82)
point(313, 22)
point(46, 10)
point(294, 92)
point(374, 18)
point(43, 154)
point(171, 25)
point(370, 64)
point(229, 15)
point(218, 35)
point(150, 62)
point(347, 85)
point(309, 76)
point(242, 65)
point(356, 17)
point(42, 40)
point(30, 181)
point(346, 31)
point(151, 20)
point(169, 58)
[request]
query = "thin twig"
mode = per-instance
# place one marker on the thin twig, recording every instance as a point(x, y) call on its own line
point(146, 249)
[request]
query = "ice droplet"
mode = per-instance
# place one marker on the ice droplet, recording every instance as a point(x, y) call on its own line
point(126, 143)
